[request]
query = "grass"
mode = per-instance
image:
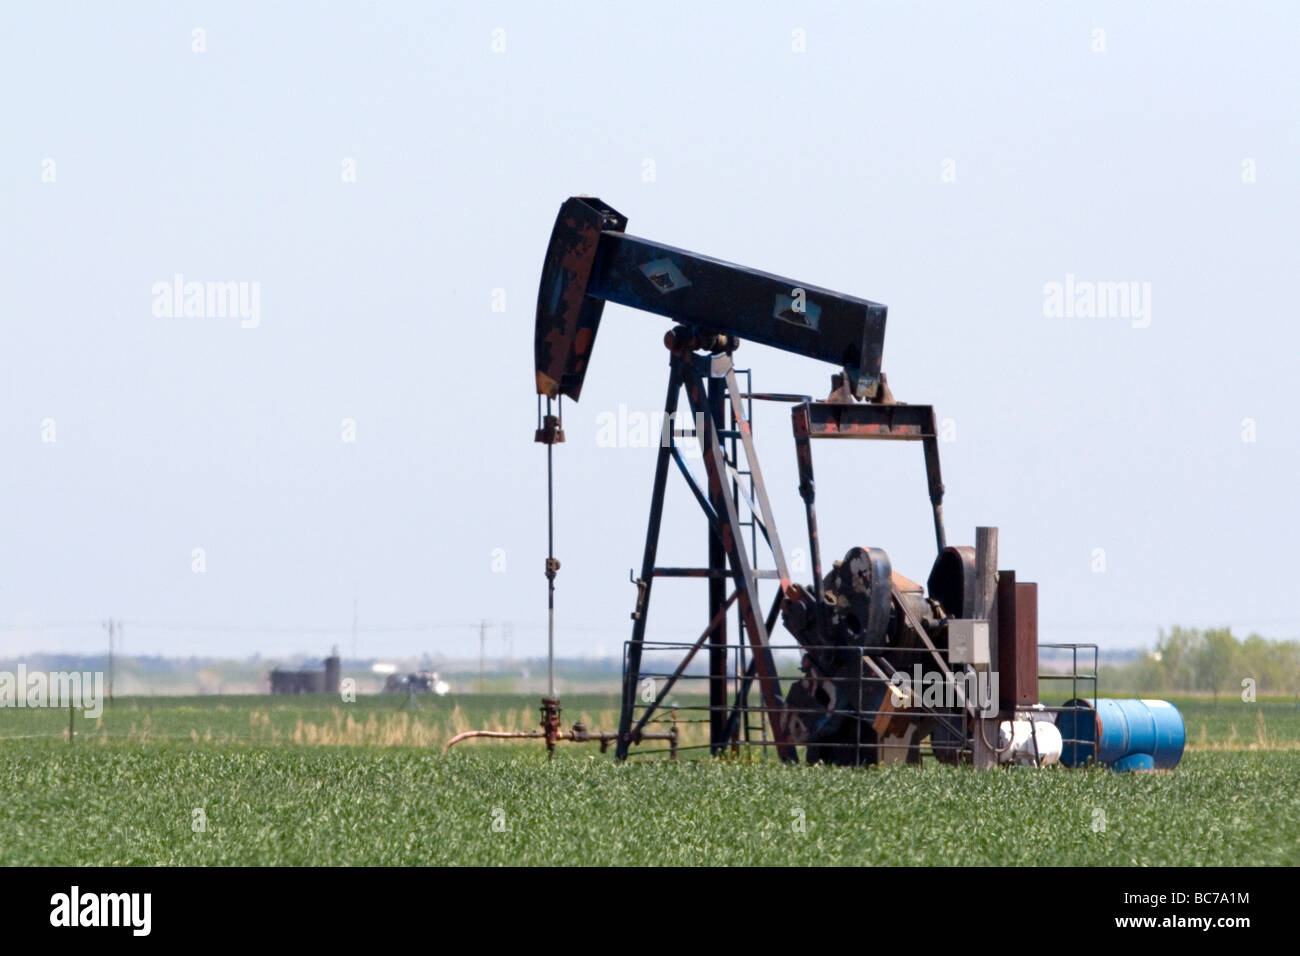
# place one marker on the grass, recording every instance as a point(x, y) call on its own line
point(134, 804)
point(275, 792)
point(378, 720)
point(1230, 724)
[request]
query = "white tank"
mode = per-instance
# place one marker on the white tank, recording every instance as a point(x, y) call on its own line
point(1032, 742)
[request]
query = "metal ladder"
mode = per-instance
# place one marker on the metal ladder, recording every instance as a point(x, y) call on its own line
point(749, 730)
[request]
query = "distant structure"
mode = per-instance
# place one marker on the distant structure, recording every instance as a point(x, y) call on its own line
point(308, 682)
point(421, 682)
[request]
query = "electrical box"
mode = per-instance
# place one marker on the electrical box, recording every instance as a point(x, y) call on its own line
point(968, 642)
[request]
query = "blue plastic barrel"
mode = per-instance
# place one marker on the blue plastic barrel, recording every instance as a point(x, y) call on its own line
point(1108, 731)
point(1134, 762)
point(1170, 733)
point(1080, 727)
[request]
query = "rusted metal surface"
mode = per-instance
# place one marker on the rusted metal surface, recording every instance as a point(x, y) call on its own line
point(852, 614)
point(552, 733)
point(870, 420)
point(579, 735)
point(719, 491)
point(808, 492)
point(848, 605)
point(734, 546)
point(718, 602)
point(865, 607)
point(888, 421)
point(567, 318)
point(590, 261)
point(551, 721)
point(1017, 642)
point(550, 432)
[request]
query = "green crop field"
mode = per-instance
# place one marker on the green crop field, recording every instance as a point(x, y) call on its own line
point(313, 781)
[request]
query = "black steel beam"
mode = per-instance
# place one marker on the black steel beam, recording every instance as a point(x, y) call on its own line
point(699, 291)
point(590, 261)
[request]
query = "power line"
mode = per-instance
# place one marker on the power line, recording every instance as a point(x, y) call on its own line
point(474, 625)
point(295, 628)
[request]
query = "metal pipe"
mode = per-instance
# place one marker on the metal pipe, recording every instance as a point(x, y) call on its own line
point(550, 572)
point(603, 737)
point(467, 734)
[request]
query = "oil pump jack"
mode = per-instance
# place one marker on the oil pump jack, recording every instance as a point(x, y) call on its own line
point(883, 663)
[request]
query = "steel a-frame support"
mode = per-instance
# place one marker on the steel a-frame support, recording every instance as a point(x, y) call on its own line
point(708, 381)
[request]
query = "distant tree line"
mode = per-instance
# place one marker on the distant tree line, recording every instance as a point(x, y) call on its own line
point(1211, 661)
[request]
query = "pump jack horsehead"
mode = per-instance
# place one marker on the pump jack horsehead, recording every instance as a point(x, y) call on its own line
point(870, 643)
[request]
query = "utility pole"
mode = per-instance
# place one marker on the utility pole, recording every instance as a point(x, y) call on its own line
point(112, 627)
point(354, 624)
point(482, 655)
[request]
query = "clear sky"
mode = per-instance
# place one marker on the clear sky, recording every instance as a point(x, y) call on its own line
point(949, 160)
